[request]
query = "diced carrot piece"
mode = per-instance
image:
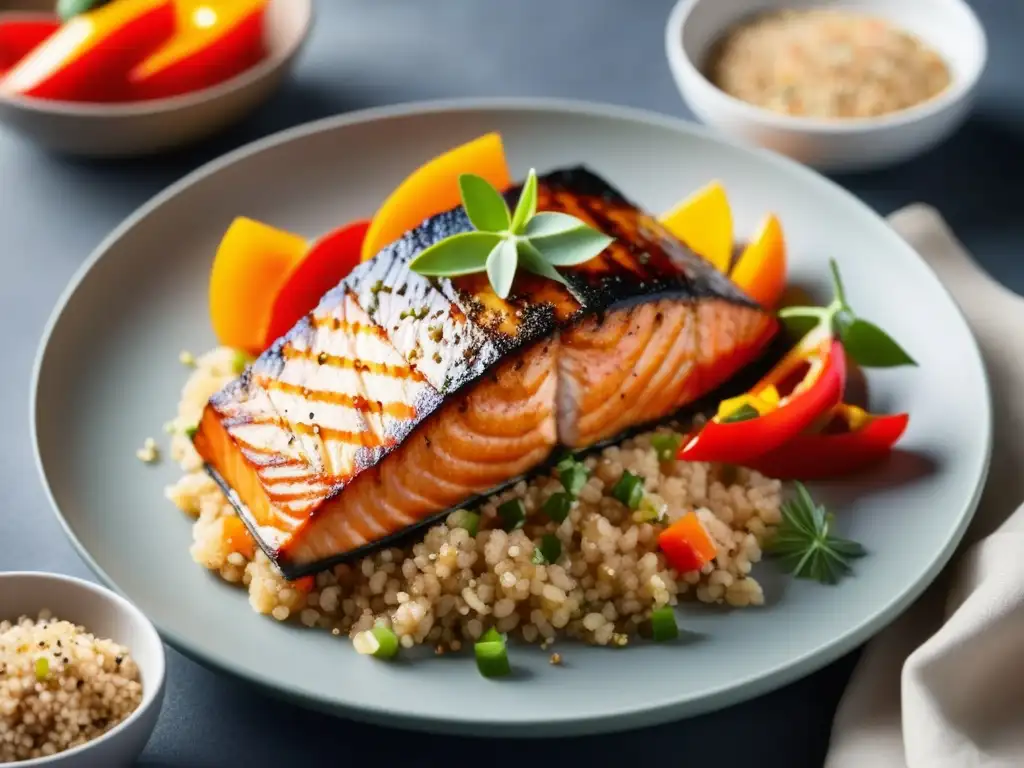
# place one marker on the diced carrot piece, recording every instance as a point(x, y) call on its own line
point(434, 188)
point(761, 269)
point(215, 41)
point(687, 544)
point(252, 263)
point(704, 222)
point(330, 259)
point(237, 538)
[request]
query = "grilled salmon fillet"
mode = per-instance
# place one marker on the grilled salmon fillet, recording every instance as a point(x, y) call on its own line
point(400, 396)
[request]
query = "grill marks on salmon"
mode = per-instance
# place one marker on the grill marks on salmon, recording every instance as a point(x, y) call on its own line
point(400, 397)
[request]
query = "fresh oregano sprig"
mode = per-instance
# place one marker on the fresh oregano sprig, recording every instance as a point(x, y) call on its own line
point(502, 241)
point(865, 342)
point(804, 544)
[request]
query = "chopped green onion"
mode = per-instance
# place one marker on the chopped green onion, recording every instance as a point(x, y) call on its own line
point(573, 476)
point(492, 659)
point(380, 642)
point(745, 412)
point(547, 550)
point(239, 362)
point(666, 444)
point(557, 506)
point(463, 518)
point(629, 490)
point(663, 625)
point(492, 635)
point(513, 513)
point(190, 432)
point(650, 510)
point(42, 668)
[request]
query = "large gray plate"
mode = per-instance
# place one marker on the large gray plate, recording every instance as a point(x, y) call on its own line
point(108, 376)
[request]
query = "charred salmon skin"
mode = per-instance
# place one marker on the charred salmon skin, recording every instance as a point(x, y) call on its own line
point(400, 397)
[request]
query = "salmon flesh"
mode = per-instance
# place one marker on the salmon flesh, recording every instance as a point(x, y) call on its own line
point(400, 397)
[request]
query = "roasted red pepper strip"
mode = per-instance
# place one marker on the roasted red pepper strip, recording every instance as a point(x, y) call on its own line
point(19, 36)
point(820, 389)
point(866, 440)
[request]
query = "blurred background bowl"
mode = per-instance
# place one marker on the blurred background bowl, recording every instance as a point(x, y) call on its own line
point(948, 26)
point(147, 127)
point(104, 615)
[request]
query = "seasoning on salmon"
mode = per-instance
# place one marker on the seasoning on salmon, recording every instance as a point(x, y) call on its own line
point(400, 397)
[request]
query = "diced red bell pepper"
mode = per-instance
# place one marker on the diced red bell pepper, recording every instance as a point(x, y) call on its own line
point(820, 363)
point(852, 440)
point(19, 36)
point(326, 264)
point(89, 58)
point(687, 544)
point(215, 41)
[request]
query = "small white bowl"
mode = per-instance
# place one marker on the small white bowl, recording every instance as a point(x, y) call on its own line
point(146, 127)
point(948, 26)
point(106, 615)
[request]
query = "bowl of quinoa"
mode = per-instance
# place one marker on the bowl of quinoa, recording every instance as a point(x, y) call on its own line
point(81, 673)
point(837, 85)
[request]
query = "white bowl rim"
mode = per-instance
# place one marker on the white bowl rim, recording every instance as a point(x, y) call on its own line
point(679, 59)
point(151, 689)
point(154, 107)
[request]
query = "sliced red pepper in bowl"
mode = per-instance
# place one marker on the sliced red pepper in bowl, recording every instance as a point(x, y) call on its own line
point(18, 37)
point(851, 441)
point(215, 40)
point(800, 390)
point(88, 58)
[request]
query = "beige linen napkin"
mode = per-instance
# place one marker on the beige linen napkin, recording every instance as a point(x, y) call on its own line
point(943, 687)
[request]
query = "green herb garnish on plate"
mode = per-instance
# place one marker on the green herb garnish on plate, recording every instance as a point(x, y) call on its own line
point(865, 342)
point(804, 544)
point(503, 241)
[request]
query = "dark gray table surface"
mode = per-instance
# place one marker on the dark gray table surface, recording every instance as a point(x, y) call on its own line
point(372, 52)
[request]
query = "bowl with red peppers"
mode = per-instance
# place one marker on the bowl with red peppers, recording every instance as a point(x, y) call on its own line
point(126, 78)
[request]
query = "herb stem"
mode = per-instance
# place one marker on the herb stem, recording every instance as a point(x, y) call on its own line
point(837, 284)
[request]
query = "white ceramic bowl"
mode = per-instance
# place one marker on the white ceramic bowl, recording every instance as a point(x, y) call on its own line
point(949, 26)
point(143, 128)
point(103, 614)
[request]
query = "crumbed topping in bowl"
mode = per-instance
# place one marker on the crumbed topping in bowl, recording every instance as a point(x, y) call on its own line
point(60, 687)
point(825, 63)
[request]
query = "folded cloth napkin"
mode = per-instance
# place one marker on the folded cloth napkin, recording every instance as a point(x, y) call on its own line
point(943, 686)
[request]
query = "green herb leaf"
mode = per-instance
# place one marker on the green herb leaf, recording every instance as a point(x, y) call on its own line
point(513, 514)
point(745, 412)
point(547, 550)
point(549, 223)
point(576, 246)
point(666, 445)
point(532, 261)
point(461, 254)
point(872, 347)
point(501, 266)
point(527, 205)
point(557, 506)
point(190, 432)
point(485, 207)
point(573, 476)
point(804, 545)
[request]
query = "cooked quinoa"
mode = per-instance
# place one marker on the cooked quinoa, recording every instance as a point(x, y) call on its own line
point(60, 687)
point(448, 588)
point(826, 63)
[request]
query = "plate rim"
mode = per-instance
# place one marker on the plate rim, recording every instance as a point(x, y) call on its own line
point(569, 725)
